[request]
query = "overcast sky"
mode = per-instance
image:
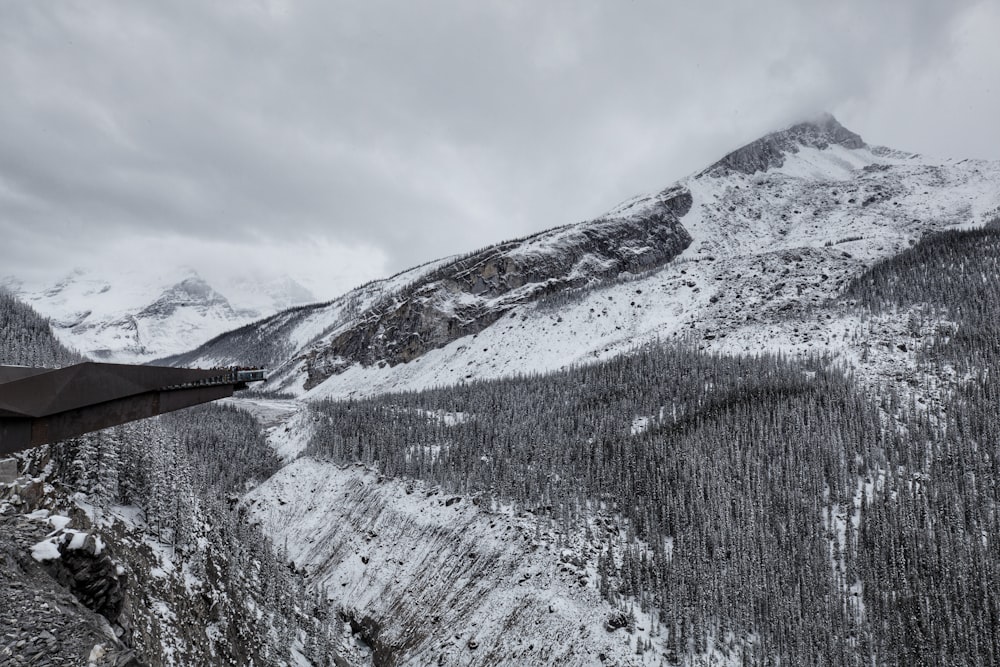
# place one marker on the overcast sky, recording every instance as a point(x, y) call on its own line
point(345, 141)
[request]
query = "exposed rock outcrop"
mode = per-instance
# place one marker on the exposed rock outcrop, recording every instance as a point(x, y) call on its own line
point(86, 569)
point(770, 151)
point(45, 618)
point(822, 188)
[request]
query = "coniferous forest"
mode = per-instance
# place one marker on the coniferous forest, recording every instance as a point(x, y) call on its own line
point(764, 499)
point(500, 334)
point(26, 338)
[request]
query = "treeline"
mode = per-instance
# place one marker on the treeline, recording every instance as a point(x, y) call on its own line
point(182, 471)
point(724, 486)
point(228, 445)
point(225, 453)
point(178, 471)
point(929, 545)
point(957, 274)
point(26, 339)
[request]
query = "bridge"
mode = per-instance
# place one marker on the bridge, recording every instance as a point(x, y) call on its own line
point(43, 405)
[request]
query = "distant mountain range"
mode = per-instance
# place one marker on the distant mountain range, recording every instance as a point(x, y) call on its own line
point(114, 316)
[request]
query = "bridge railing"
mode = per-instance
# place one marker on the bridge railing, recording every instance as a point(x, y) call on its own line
point(225, 376)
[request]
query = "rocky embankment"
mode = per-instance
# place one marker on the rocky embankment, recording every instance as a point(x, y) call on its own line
point(427, 578)
point(83, 586)
point(62, 594)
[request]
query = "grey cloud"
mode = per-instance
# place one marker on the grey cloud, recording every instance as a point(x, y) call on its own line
point(423, 128)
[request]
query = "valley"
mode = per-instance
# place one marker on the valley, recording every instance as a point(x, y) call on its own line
point(747, 419)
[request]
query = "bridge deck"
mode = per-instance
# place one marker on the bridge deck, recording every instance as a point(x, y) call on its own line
point(40, 405)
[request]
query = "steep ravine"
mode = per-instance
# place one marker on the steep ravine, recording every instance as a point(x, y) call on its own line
point(433, 579)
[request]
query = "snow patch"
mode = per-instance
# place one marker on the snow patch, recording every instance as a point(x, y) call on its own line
point(45, 550)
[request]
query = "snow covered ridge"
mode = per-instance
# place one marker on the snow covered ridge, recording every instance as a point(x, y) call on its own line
point(776, 226)
point(466, 296)
point(399, 320)
point(273, 341)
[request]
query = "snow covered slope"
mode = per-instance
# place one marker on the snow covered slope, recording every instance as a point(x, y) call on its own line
point(770, 230)
point(133, 317)
point(272, 342)
point(462, 584)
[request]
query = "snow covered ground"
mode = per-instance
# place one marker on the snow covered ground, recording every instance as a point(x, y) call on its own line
point(437, 579)
point(440, 578)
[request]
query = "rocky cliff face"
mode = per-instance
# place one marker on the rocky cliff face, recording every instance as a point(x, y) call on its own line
point(62, 595)
point(465, 296)
point(432, 579)
point(103, 587)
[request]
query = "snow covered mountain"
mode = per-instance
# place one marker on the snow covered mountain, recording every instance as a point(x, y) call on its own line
point(761, 251)
point(586, 517)
point(722, 257)
point(126, 316)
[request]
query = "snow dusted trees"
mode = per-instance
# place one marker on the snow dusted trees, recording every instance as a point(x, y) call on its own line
point(927, 545)
point(227, 444)
point(762, 497)
point(721, 492)
point(181, 471)
point(26, 338)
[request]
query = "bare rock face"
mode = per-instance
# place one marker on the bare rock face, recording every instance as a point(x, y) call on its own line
point(465, 296)
point(770, 151)
point(58, 612)
point(90, 574)
point(8, 471)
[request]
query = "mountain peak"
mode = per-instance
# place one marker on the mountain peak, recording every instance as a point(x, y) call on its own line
point(827, 126)
point(770, 151)
point(191, 292)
